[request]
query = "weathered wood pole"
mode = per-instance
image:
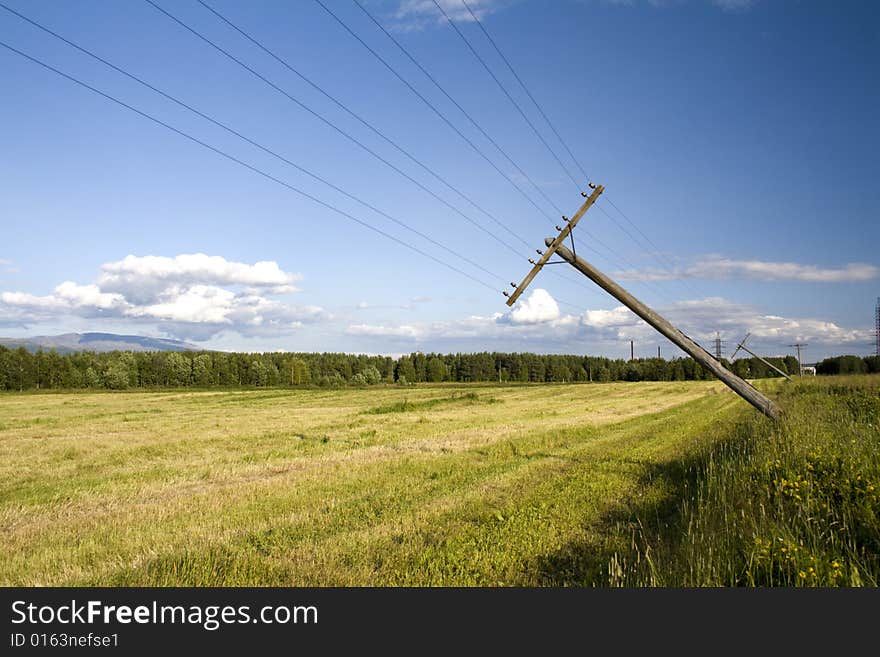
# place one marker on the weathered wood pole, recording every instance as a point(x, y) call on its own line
point(691, 348)
point(766, 362)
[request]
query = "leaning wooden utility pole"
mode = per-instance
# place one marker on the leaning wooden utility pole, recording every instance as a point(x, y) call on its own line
point(742, 345)
point(695, 351)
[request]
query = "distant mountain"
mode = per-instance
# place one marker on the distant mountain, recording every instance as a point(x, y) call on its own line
point(69, 342)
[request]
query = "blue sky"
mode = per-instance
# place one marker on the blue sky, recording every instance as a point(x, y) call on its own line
point(739, 137)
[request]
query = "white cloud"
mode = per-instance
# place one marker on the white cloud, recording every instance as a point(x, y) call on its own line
point(189, 296)
point(143, 277)
point(417, 14)
point(536, 317)
point(608, 328)
point(199, 303)
point(725, 5)
point(538, 307)
point(88, 296)
point(734, 5)
point(67, 295)
point(700, 318)
point(8, 266)
point(384, 331)
point(619, 316)
point(25, 300)
point(718, 267)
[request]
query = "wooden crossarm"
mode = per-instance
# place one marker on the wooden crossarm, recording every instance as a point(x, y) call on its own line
point(563, 234)
point(741, 345)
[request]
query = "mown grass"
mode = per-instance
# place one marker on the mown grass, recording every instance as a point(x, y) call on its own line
point(405, 405)
point(445, 485)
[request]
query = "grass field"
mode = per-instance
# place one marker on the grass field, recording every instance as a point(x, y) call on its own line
point(427, 485)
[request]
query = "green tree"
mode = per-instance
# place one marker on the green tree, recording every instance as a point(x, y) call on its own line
point(202, 371)
point(121, 371)
point(258, 373)
point(372, 375)
point(405, 370)
point(436, 370)
point(420, 366)
point(178, 369)
point(297, 371)
point(22, 372)
point(91, 378)
point(558, 371)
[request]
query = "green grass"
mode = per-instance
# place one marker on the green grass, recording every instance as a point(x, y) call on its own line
point(427, 485)
point(406, 406)
point(792, 504)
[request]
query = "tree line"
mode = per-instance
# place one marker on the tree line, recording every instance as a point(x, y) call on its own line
point(849, 365)
point(21, 369)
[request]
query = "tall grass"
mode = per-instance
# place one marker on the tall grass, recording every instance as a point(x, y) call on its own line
point(791, 504)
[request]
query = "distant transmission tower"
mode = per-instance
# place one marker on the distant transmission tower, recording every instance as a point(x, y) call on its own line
point(719, 346)
point(877, 327)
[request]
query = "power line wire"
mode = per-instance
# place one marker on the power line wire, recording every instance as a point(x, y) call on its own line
point(454, 102)
point(443, 117)
point(506, 93)
point(526, 89)
point(254, 143)
point(246, 165)
point(351, 137)
point(350, 112)
point(342, 132)
point(348, 135)
point(658, 253)
point(247, 139)
point(665, 263)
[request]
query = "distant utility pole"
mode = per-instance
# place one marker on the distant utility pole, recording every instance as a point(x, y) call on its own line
point(719, 346)
point(742, 345)
point(658, 351)
point(632, 350)
point(798, 345)
point(761, 402)
point(877, 327)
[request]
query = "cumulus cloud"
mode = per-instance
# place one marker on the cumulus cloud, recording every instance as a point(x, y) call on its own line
point(718, 267)
point(602, 319)
point(141, 278)
point(67, 295)
point(193, 296)
point(538, 307)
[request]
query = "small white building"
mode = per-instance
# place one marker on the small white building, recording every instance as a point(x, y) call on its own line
point(809, 369)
